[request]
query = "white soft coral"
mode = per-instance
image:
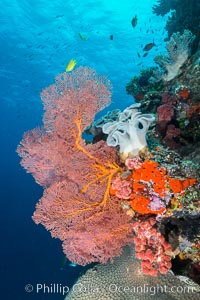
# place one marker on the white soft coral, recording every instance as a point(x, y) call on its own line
point(128, 131)
point(178, 48)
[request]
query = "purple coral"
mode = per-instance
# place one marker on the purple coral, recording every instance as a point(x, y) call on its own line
point(156, 201)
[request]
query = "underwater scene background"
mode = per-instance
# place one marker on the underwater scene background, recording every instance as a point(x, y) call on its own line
point(149, 51)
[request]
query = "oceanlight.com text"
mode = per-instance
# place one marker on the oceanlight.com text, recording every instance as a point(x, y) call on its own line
point(58, 288)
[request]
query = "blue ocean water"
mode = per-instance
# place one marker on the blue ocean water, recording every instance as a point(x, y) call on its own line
point(38, 38)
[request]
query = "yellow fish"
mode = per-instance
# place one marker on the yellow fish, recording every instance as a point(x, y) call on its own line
point(70, 65)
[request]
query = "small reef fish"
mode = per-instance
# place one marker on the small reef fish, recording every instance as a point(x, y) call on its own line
point(70, 65)
point(82, 37)
point(145, 54)
point(73, 265)
point(64, 262)
point(138, 54)
point(60, 16)
point(111, 37)
point(134, 21)
point(149, 46)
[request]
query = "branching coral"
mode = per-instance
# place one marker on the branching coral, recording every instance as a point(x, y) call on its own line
point(179, 48)
point(129, 131)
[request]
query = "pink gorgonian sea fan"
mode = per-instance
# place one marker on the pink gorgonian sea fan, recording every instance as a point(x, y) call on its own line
point(76, 206)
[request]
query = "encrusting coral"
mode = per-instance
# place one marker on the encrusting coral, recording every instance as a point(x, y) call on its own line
point(149, 188)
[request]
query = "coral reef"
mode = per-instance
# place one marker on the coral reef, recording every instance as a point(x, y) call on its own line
point(149, 188)
point(176, 107)
point(182, 232)
point(171, 196)
point(163, 7)
point(116, 191)
point(142, 84)
point(185, 14)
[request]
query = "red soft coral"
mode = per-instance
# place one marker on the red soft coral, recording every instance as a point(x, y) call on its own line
point(121, 188)
point(151, 248)
point(89, 233)
point(77, 176)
